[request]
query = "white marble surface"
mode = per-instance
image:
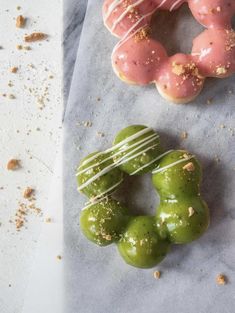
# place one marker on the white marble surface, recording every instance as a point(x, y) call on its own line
point(96, 279)
point(25, 127)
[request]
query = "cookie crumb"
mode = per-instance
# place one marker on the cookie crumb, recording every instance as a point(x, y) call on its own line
point(209, 101)
point(100, 134)
point(157, 274)
point(191, 211)
point(87, 124)
point(221, 279)
point(35, 37)
point(48, 220)
point(19, 47)
point(59, 257)
point(184, 135)
point(11, 96)
point(189, 167)
point(20, 21)
point(14, 69)
point(13, 164)
point(28, 192)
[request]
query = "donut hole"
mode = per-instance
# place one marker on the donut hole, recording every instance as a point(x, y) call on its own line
point(138, 194)
point(175, 30)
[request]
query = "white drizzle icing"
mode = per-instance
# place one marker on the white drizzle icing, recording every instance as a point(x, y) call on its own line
point(107, 190)
point(89, 203)
point(175, 4)
point(130, 138)
point(171, 165)
point(153, 136)
point(129, 34)
point(121, 17)
point(111, 8)
point(151, 162)
point(161, 4)
point(113, 165)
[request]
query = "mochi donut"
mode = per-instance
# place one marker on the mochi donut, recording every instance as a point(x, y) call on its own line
point(142, 241)
point(140, 59)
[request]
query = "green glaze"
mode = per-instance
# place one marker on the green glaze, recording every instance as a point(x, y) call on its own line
point(142, 159)
point(179, 191)
point(141, 245)
point(143, 241)
point(103, 222)
point(104, 182)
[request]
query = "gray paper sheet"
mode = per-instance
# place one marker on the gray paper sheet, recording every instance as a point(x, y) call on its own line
point(96, 279)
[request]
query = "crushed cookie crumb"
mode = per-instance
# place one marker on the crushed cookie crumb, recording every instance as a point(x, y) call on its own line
point(209, 101)
point(59, 257)
point(184, 135)
point(191, 211)
point(142, 34)
point(13, 164)
point(221, 279)
point(48, 220)
point(19, 47)
point(87, 124)
point(28, 192)
point(100, 134)
point(20, 21)
point(178, 69)
point(11, 96)
point(14, 69)
point(27, 48)
point(221, 70)
point(157, 274)
point(35, 37)
point(189, 167)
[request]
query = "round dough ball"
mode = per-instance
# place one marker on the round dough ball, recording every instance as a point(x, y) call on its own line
point(140, 154)
point(97, 175)
point(173, 180)
point(141, 245)
point(183, 220)
point(103, 222)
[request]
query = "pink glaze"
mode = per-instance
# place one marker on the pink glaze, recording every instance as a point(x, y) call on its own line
point(213, 13)
point(140, 59)
point(214, 52)
point(179, 77)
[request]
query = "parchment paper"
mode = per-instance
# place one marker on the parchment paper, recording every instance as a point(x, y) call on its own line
point(96, 279)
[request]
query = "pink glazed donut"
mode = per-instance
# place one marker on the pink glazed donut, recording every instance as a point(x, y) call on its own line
point(140, 59)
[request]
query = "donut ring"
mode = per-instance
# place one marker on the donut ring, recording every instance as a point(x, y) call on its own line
point(140, 59)
point(143, 241)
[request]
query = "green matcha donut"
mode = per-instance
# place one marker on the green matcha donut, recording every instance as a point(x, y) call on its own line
point(104, 221)
point(136, 149)
point(141, 245)
point(182, 212)
point(143, 241)
point(97, 175)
